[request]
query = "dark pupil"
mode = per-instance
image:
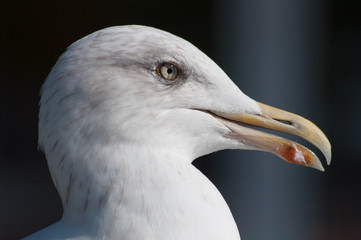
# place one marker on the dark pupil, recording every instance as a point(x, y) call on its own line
point(169, 70)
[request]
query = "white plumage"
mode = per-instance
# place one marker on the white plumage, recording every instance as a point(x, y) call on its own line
point(123, 114)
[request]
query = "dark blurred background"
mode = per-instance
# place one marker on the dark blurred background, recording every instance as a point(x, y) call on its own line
point(301, 56)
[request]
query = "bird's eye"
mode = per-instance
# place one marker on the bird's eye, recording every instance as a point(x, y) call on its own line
point(168, 71)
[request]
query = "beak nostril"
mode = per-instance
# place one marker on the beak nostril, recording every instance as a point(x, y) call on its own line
point(287, 122)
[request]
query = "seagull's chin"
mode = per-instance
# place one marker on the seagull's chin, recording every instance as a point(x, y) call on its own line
point(281, 121)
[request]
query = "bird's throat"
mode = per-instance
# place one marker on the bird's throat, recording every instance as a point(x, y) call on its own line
point(148, 189)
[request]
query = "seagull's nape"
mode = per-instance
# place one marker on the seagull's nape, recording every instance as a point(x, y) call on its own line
point(123, 114)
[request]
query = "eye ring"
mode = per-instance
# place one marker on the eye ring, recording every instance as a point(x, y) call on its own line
point(168, 71)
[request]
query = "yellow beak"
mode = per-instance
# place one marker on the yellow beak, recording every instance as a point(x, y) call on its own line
point(282, 121)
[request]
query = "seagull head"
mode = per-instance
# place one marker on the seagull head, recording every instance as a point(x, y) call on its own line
point(140, 86)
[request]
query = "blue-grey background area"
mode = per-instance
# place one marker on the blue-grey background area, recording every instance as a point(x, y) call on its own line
point(301, 56)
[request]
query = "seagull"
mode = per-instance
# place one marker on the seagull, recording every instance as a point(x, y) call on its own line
point(125, 111)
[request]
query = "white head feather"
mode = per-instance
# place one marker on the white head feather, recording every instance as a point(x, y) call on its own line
point(107, 117)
